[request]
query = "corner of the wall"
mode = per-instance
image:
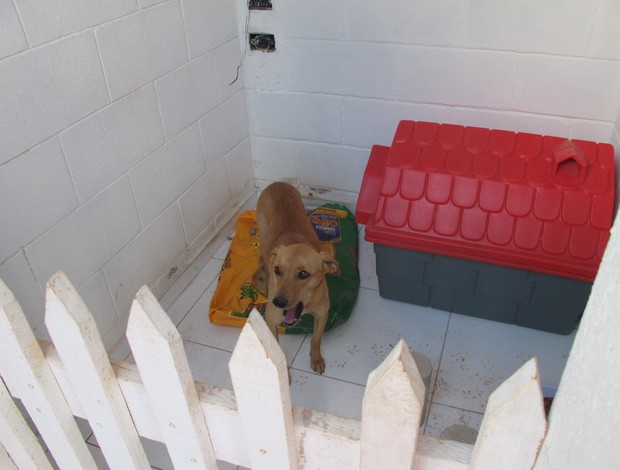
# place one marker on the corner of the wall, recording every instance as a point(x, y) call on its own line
point(205, 245)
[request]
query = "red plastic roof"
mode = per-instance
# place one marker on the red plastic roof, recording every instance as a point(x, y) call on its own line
point(527, 201)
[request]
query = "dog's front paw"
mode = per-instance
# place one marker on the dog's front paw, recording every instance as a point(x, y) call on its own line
point(318, 364)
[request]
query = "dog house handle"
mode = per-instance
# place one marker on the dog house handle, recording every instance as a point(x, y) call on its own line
point(566, 155)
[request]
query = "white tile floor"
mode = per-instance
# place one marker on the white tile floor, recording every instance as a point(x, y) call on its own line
point(470, 356)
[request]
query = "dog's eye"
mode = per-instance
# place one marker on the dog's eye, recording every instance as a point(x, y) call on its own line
point(277, 271)
point(304, 274)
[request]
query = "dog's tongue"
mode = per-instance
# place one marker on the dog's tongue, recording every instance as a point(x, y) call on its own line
point(289, 316)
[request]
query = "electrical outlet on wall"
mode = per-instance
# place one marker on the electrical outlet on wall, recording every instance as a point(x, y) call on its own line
point(262, 42)
point(260, 5)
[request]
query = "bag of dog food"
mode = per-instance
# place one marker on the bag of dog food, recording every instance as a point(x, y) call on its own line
point(236, 295)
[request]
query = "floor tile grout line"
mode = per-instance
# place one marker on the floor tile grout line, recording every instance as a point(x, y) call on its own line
point(434, 387)
point(456, 408)
point(326, 376)
point(178, 324)
point(301, 343)
point(207, 346)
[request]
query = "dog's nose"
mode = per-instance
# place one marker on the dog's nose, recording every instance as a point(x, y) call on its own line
point(280, 302)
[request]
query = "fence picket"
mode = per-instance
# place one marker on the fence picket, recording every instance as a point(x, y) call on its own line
point(6, 463)
point(28, 375)
point(391, 412)
point(17, 438)
point(122, 400)
point(218, 405)
point(79, 345)
point(438, 454)
point(159, 353)
point(327, 441)
point(514, 423)
point(260, 379)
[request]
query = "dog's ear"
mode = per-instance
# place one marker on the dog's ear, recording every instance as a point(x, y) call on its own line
point(330, 265)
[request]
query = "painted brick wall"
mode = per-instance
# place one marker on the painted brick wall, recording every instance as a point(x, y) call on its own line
point(123, 146)
point(345, 72)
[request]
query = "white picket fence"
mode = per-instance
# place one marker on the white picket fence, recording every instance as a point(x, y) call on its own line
point(255, 426)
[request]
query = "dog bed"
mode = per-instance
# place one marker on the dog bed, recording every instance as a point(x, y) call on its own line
point(236, 295)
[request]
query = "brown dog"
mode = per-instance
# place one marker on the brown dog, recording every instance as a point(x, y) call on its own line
point(294, 267)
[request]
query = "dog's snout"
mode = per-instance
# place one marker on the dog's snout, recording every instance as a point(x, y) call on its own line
point(280, 302)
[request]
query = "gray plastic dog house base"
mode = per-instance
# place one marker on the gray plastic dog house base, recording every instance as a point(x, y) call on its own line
point(526, 298)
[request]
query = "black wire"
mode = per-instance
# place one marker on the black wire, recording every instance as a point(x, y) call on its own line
point(245, 48)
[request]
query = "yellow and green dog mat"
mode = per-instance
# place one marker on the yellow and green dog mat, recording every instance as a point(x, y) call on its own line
point(236, 295)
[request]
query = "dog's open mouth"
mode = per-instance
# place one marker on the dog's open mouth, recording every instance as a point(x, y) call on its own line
point(291, 315)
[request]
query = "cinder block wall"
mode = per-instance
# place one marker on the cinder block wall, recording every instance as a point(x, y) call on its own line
point(123, 145)
point(346, 72)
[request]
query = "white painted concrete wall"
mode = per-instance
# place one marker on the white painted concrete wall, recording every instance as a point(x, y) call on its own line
point(345, 72)
point(123, 147)
point(585, 417)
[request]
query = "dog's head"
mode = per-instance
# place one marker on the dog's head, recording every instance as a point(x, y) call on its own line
point(296, 271)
